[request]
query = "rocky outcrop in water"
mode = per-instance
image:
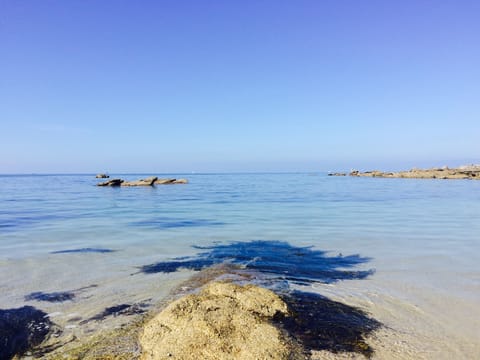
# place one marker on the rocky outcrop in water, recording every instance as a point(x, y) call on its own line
point(223, 321)
point(170, 181)
point(113, 182)
point(164, 181)
point(142, 182)
point(310, 323)
point(150, 181)
point(102, 176)
point(469, 172)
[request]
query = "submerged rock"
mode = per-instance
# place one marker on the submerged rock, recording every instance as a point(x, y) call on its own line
point(223, 321)
point(21, 330)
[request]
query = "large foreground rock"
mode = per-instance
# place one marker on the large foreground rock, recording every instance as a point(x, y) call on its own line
point(224, 321)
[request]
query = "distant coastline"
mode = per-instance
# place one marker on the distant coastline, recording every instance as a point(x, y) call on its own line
point(466, 172)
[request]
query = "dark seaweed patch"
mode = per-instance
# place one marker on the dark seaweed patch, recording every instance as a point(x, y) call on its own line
point(121, 309)
point(22, 329)
point(50, 297)
point(319, 323)
point(172, 266)
point(57, 296)
point(170, 223)
point(83, 250)
point(277, 259)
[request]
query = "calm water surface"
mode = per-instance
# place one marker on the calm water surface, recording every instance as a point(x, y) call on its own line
point(62, 233)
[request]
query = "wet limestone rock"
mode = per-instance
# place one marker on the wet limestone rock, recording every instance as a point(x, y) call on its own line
point(223, 321)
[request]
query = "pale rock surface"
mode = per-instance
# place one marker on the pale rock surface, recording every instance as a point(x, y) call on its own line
point(142, 182)
point(223, 322)
point(470, 172)
point(170, 181)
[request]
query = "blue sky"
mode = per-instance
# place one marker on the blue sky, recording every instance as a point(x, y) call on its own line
point(180, 86)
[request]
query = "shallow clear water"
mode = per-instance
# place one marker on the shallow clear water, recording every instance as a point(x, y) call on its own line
point(422, 238)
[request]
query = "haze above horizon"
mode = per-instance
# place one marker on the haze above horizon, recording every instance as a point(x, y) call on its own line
point(222, 86)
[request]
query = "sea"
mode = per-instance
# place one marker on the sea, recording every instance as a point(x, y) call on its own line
point(72, 249)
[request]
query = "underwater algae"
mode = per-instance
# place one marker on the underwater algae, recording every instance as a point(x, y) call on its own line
point(319, 323)
point(22, 329)
point(56, 296)
point(117, 310)
point(275, 259)
point(59, 296)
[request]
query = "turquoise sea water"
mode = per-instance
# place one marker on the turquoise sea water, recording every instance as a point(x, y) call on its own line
point(422, 238)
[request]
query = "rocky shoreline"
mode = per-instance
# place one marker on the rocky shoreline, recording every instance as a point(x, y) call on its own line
point(467, 172)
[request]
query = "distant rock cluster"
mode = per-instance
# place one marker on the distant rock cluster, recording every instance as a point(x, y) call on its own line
point(150, 181)
point(470, 172)
point(102, 176)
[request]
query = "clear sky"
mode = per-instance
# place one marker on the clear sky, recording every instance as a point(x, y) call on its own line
point(247, 85)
